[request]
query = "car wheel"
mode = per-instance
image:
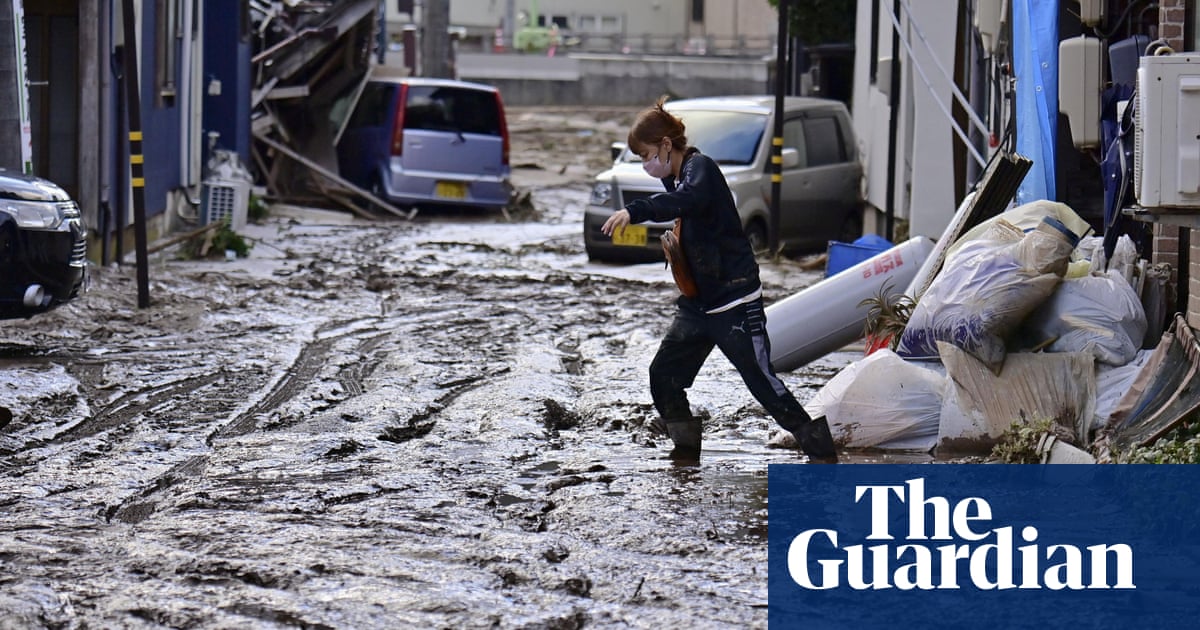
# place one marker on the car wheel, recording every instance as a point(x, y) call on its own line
point(852, 227)
point(756, 233)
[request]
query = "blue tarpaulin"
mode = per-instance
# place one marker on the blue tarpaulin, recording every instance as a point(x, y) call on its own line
point(1035, 62)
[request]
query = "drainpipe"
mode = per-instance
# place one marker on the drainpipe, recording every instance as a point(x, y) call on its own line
point(185, 97)
point(893, 125)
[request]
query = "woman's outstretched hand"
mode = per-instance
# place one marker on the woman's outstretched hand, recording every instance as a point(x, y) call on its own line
point(617, 221)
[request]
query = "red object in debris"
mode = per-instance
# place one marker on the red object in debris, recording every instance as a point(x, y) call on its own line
point(877, 343)
point(993, 141)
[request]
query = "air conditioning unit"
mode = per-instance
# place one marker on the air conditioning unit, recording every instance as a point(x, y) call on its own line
point(225, 193)
point(1166, 163)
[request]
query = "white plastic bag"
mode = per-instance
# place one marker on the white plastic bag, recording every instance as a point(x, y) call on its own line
point(1098, 313)
point(882, 402)
point(986, 289)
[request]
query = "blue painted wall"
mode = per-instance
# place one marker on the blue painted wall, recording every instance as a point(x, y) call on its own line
point(227, 52)
point(160, 123)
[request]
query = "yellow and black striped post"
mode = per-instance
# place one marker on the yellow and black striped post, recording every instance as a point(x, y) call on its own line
point(781, 65)
point(133, 112)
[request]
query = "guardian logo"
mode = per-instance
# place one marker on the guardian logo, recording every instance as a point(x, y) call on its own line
point(983, 546)
point(958, 546)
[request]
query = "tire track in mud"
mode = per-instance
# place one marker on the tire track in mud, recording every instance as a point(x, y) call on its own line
point(134, 404)
point(303, 371)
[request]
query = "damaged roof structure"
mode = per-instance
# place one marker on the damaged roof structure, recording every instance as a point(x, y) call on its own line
point(313, 59)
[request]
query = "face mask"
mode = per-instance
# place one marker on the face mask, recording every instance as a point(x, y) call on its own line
point(656, 168)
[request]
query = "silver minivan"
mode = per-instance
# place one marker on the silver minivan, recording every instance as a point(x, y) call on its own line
point(418, 141)
point(821, 196)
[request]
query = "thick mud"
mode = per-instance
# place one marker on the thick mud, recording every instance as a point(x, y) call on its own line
point(439, 423)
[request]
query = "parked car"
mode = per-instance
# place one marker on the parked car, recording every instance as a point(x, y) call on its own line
point(417, 141)
point(821, 187)
point(43, 246)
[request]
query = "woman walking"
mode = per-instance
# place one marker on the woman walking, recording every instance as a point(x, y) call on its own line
point(723, 306)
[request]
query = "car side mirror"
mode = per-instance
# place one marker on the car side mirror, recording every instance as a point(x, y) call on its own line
point(791, 158)
point(617, 149)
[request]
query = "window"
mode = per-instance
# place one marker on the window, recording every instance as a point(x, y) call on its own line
point(823, 141)
point(726, 137)
point(374, 106)
point(591, 23)
point(793, 138)
point(697, 10)
point(452, 109)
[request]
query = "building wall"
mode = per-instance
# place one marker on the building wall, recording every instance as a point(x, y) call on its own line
point(1175, 245)
point(725, 21)
point(595, 79)
point(227, 87)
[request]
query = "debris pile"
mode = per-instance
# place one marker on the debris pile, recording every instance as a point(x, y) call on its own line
point(310, 62)
point(1026, 340)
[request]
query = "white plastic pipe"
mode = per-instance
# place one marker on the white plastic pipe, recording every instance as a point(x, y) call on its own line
point(825, 316)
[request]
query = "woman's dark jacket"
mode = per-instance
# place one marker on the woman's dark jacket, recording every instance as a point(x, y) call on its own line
point(718, 252)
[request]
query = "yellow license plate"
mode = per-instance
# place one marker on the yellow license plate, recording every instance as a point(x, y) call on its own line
point(633, 235)
point(450, 190)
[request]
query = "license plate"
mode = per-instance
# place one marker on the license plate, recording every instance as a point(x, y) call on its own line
point(633, 235)
point(450, 190)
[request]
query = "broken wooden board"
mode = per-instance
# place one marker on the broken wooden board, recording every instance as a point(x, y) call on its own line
point(324, 172)
point(993, 193)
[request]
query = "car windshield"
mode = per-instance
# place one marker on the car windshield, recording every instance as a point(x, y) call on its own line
point(440, 108)
point(726, 137)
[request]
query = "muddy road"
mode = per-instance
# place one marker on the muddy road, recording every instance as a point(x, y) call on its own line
point(383, 424)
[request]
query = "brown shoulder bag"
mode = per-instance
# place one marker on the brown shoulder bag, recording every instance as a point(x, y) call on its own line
point(672, 246)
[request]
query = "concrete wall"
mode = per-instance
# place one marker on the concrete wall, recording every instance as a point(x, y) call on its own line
point(580, 79)
point(1176, 245)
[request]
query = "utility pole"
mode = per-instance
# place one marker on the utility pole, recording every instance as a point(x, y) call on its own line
point(510, 19)
point(133, 109)
point(781, 72)
point(435, 40)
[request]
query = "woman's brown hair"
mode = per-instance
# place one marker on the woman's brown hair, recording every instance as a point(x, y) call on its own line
point(655, 123)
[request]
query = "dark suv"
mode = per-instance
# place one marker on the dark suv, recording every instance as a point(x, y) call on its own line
point(43, 246)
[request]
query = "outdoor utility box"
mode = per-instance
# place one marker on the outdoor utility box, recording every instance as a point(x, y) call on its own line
point(1123, 59)
point(1079, 88)
point(843, 256)
point(1166, 157)
point(225, 193)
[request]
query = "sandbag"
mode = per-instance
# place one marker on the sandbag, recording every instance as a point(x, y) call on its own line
point(986, 289)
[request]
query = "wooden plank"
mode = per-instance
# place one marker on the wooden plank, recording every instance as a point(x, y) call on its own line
point(288, 92)
point(324, 172)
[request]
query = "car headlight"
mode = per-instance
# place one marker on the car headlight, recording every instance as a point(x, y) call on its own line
point(32, 215)
point(601, 194)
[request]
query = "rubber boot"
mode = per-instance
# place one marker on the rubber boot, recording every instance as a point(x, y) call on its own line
point(686, 434)
point(816, 440)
